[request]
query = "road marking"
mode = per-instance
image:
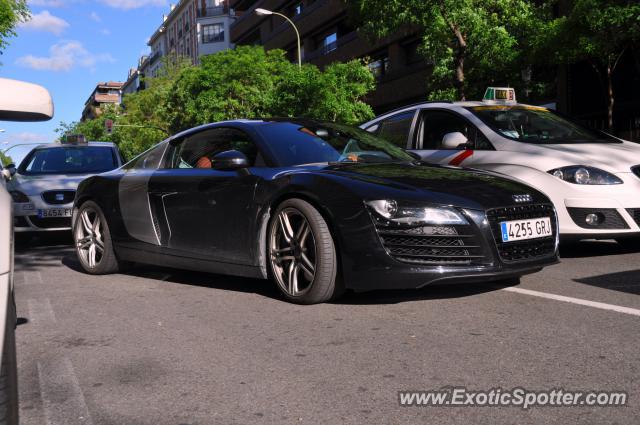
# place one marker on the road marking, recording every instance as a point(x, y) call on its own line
point(594, 304)
point(32, 278)
point(62, 397)
point(41, 312)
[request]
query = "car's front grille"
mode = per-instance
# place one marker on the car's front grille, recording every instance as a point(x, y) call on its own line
point(58, 197)
point(635, 213)
point(50, 223)
point(432, 245)
point(524, 250)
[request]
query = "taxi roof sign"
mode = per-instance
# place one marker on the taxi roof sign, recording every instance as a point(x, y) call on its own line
point(74, 139)
point(499, 95)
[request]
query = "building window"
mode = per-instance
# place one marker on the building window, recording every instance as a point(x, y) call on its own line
point(212, 33)
point(330, 43)
point(379, 67)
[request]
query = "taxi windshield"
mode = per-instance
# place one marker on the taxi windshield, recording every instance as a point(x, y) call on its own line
point(532, 124)
point(69, 160)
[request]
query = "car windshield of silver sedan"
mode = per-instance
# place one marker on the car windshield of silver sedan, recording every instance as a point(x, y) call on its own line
point(532, 124)
point(302, 143)
point(68, 160)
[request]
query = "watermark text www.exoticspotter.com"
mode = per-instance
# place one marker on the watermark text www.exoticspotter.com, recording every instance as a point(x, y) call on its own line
point(516, 397)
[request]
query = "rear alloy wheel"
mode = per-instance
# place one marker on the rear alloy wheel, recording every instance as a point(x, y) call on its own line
point(302, 253)
point(93, 241)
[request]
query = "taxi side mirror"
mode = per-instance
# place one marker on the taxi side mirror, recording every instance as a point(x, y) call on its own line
point(454, 140)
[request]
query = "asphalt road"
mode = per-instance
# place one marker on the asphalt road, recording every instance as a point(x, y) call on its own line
point(163, 346)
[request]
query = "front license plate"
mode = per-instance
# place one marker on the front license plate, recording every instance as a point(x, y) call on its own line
point(518, 230)
point(55, 212)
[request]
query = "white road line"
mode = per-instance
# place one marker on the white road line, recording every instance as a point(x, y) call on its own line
point(32, 278)
point(41, 312)
point(62, 397)
point(594, 304)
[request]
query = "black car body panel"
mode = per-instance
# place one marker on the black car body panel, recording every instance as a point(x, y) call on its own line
point(216, 221)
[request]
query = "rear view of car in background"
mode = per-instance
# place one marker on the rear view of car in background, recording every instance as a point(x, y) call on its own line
point(19, 101)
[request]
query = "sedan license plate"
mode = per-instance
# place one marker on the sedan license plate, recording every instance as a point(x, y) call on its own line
point(518, 230)
point(55, 212)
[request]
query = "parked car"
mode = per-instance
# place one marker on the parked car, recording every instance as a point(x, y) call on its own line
point(592, 178)
point(45, 183)
point(19, 101)
point(316, 206)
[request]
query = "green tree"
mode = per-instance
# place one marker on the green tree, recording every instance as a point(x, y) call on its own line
point(466, 40)
point(599, 32)
point(249, 82)
point(12, 12)
point(5, 160)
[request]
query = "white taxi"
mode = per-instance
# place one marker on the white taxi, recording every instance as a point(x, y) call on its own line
point(592, 178)
point(44, 185)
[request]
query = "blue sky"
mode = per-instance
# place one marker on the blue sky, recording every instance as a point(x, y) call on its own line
point(69, 46)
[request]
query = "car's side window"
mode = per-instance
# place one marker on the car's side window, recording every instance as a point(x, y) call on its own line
point(147, 160)
point(396, 128)
point(434, 125)
point(198, 150)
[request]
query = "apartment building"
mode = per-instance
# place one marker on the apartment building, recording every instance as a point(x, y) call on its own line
point(328, 36)
point(109, 93)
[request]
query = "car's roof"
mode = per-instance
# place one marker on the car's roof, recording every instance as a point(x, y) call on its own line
point(70, 145)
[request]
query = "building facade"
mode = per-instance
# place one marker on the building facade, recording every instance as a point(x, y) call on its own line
point(328, 36)
point(109, 93)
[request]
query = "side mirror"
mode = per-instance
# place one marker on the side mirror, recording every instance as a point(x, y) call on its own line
point(454, 140)
point(9, 171)
point(229, 161)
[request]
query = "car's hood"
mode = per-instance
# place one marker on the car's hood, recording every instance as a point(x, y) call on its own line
point(613, 157)
point(437, 184)
point(35, 185)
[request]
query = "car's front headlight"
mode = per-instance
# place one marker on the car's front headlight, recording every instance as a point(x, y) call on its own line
point(579, 174)
point(391, 211)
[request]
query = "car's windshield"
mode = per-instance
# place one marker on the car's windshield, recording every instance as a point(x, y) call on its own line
point(69, 160)
point(16, 153)
point(310, 142)
point(536, 125)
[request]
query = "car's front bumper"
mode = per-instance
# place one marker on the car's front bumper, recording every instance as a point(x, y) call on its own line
point(370, 261)
point(26, 217)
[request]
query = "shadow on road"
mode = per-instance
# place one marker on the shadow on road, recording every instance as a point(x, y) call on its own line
point(594, 248)
point(628, 281)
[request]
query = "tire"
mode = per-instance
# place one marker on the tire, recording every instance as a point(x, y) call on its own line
point(302, 257)
point(9, 372)
point(86, 235)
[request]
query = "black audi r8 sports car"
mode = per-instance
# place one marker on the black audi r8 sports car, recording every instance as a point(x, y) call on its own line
point(318, 207)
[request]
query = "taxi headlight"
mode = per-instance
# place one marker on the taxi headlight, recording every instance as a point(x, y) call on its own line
point(405, 215)
point(18, 197)
point(579, 174)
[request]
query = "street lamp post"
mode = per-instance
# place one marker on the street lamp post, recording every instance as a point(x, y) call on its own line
point(265, 12)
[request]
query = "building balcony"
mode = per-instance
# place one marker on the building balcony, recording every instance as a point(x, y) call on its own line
point(208, 12)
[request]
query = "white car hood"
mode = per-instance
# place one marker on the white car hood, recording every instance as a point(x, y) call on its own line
point(612, 157)
point(35, 185)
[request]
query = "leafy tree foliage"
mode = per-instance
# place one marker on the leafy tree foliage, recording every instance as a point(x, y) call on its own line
point(600, 32)
point(12, 12)
point(472, 41)
point(247, 82)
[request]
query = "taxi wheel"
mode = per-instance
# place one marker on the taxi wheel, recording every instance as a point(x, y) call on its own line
point(302, 254)
point(93, 241)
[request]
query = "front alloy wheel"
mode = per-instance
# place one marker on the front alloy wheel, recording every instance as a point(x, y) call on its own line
point(93, 240)
point(302, 253)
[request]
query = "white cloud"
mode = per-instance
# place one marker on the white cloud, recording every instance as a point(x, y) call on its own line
point(45, 21)
point(133, 4)
point(24, 137)
point(94, 16)
point(47, 3)
point(64, 56)
point(105, 31)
